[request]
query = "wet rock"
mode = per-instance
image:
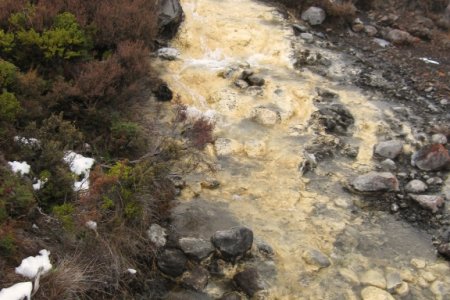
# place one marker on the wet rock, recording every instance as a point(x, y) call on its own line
point(402, 290)
point(416, 186)
point(444, 249)
point(430, 202)
point(440, 289)
point(316, 258)
point(195, 279)
point(265, 116)
point(399, 37)
point(335, 118)
point(418, 263)
point(349, 276)
point(382, 43)
point(314, 15)
point(430, 158)
point(388, 165)
point(374, 278)
point(375, 182)
point(299, 29)
point(210, 184)
point(265, 249)
point(393, 281)
point(196, 248)
point(170, 17)
point(434, 181)
point(389, 149)
point(255, 80)
point(163, 93)
point(242, 84)
point(231, 296)
point(254, 91)
point(439, 138)
point(172, 262)
point(248, 281)
point(370, 30)
point(157, 235)
point(187, 295)
point(225, 147)
point(233, 243)
point(373, 293)
point(306, 36)
point(168, 53)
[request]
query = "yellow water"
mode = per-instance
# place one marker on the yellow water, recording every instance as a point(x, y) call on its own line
point(264, 190)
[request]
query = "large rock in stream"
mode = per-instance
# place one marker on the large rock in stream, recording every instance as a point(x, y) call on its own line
point(170, 18)
point(233, 243)
point(431, 158)
point(248, 281)
point(375, 182)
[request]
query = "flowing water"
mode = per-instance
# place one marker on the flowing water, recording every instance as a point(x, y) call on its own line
point(261, 185)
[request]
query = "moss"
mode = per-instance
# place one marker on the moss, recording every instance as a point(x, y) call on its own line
point(7, 245)
point(132, 210)
point(64, 213)
point(9, 106)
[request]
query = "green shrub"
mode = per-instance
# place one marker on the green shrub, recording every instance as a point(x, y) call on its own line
point(9, 107)
point(8, 74)
point(7, 43)
point(16, 195)
point(64, 213)
point(7, 245)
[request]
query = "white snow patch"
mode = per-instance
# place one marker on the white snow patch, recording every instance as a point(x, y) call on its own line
point(26, 141)
point(39, 184)
point(19, 291)
point(79, 165)
point(429, 61)
point(91, 225)
point(132, 271)
point(30, 266)
point(19, 167)
point(382, 43)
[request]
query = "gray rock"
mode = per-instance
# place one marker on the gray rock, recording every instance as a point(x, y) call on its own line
point(374, 278)
point(233, 243)
point(308, 37)
point(431, 158)
point(240, 83)
point(370, 30)
point(265, 116)
point(388, 165)
point(195, 279)
point(439, 138)
point(430, 202)
point(375, 182)
point(382, 43)
point(389, 149)
point(374, 293)
point(248, 281)
point(157, 235)
point(434, 181)
point(172, 262)
point(314, 15)
point(168, 53)
point(393, 281)
point(265, 249)
point(170, 17)
point(335, 118)
point(316, 258)
point(299, 28)
point(416, 186)
point(399, 37)
point(231, 296)
point(198, 249)
point(255, 80)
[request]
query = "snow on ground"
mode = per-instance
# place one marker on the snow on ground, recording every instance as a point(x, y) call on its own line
point(19, 291)
point(19, 167)
point(79, 165)
point(38, 184)
point(26, 141)
point(429, 61)
point(30, 266)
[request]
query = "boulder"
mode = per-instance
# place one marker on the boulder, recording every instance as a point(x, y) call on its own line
point(248, 281)
point(314, 15)
point(430, 202)
point(233, 243)
point(316, 258)
point(431, 158)
point(399, 37)
point(265, 116)
point(335, 118)
point(374, 293)
point(170, 18)
point(172, 262)
point(307, 37)
point(389, 149)
point(196, 248)
point(255, 80)
point(416, 186)
point(375, 182)
point(195, 279)
point(168, 53)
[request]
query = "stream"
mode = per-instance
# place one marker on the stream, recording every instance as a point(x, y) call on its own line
point(259, 161)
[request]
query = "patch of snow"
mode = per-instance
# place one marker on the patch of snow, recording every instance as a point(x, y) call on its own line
point(79, 165)
point(19, 291)
point(132, 271)
point(26, 141)
point(429, 61)
point(30, 266)
point(381, 42)
point(19, 167)
point(39, 184)
point(91, 225)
